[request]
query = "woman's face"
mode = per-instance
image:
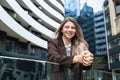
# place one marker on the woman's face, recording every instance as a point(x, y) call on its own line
point(68, 30)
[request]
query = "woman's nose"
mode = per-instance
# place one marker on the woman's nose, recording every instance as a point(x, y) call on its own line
point(70, 29)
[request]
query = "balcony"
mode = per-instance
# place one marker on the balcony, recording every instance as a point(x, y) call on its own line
point(115, 65)
point(117, 22)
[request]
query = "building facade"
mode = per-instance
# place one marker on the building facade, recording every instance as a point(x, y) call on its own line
point(25, 26)
point(100, 62)
point(72, 8)
point(112, 24)
point(86, 22)
point(100, 34)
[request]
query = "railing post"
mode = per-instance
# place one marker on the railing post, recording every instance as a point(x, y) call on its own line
point(113, 75)
point(84, 75)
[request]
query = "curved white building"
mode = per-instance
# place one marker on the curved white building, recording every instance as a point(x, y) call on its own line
point(26, 25)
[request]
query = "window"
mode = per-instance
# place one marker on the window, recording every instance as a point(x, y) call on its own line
point(43, 54)
point(117, 10)
point(119, 56)
point(32, 51)
point(114, 58)
point(114, 42)
point(11, 46)
point(117, 7)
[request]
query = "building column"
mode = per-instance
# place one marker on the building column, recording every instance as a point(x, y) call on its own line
point(113, 75)
point(28, 48)
point(112, 16)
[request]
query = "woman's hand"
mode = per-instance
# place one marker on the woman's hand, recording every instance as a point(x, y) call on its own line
point(78, 59)
point(87, 58)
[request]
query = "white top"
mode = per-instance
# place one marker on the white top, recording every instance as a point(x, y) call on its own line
point(68, 48)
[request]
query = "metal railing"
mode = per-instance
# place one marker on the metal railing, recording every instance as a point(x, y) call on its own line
point(12, 68)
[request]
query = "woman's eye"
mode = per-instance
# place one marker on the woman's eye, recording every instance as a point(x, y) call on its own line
point(66, 26)
point(73, 27)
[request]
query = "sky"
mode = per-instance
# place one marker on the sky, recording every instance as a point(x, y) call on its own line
point(96, 4)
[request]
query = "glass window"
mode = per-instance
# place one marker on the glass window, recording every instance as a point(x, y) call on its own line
point(109, 31)
point(43, 54)
point(117, 7)
point(22, 48)
point(118, 10)
point(114, 42)
point(11, 46)
point(119, 56)
point(32, 51)
point(111, 59)
point(114, 58)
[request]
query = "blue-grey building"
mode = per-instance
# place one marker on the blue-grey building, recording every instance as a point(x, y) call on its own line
point(100, 34)
point(86, 22)
point(72, 8)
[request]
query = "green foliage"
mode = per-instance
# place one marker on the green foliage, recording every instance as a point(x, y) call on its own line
point(100, 60)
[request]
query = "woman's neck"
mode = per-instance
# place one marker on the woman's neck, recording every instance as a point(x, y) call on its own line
point(67, 42)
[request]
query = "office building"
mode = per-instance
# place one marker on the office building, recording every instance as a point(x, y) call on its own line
point(86, 22)
point(100, 34)
point(112, 24)
point(25, 26)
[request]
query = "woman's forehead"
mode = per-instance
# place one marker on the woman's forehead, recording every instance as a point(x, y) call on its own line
point(69, 23)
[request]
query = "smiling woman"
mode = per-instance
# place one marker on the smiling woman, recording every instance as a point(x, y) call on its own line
point(70, 50)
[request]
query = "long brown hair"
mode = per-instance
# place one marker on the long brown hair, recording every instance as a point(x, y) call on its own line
point(78, 38)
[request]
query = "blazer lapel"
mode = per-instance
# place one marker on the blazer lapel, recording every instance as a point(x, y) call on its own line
point(61, 47)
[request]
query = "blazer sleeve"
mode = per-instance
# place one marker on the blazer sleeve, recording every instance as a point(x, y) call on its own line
point(87, 67)
point(55, 56)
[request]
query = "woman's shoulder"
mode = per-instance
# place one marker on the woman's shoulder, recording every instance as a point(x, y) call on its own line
point(82, 44)
point(56, 41)
point(52, 39)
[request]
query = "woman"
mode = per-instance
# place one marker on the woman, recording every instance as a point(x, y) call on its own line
point(70, 50)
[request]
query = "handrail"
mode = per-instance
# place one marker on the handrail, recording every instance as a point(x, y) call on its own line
point(87, 75)
point(29, 60)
